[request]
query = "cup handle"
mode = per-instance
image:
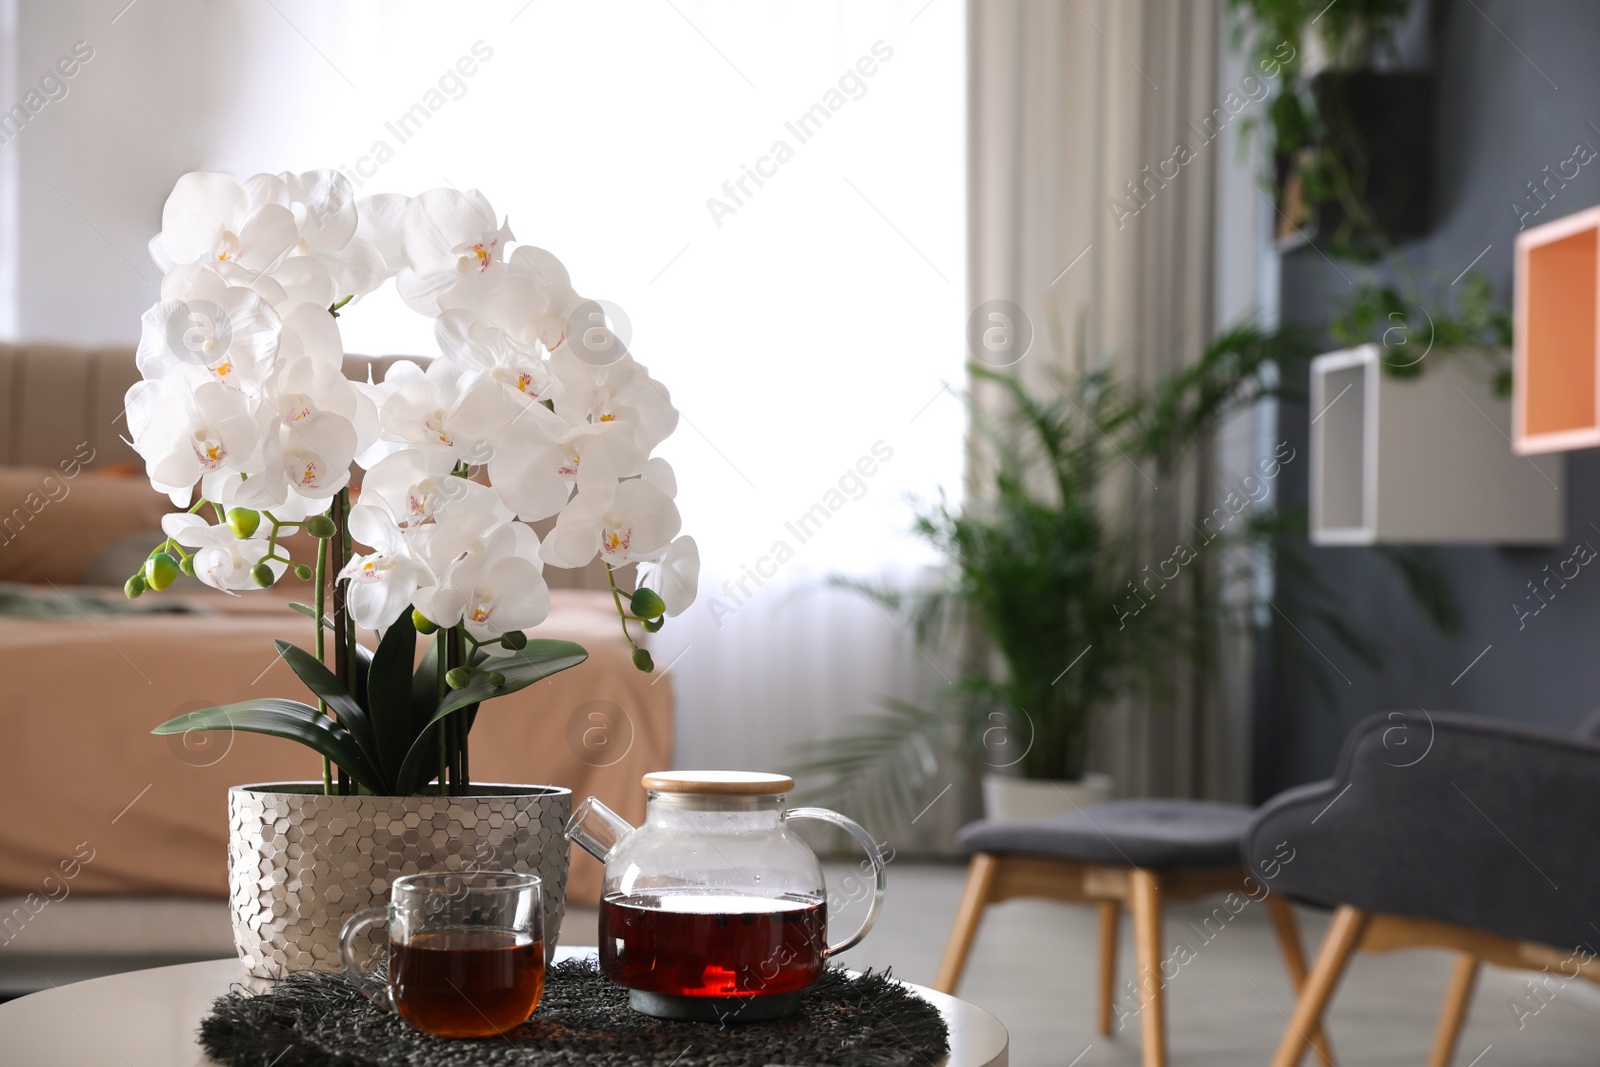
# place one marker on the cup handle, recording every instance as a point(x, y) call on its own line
point(354, 927)
point(880, 869)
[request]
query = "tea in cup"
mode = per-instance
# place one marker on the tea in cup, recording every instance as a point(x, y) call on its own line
point(466, 951)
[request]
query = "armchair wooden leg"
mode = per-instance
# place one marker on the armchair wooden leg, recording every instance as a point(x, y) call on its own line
point(1294, 961)
point(1344, 934)
point(1110, 918)
point(1145, 903)
point(1456, 1002)
point(980, 877)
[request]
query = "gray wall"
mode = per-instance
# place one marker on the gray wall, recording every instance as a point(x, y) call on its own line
point(1499, 121)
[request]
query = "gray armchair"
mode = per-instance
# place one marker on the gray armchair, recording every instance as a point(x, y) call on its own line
point(1448, 831)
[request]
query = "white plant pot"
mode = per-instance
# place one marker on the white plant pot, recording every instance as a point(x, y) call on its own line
point(301, 863)
point(1013, 799)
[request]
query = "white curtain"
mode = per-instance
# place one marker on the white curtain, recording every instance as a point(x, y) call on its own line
point(1085, 213)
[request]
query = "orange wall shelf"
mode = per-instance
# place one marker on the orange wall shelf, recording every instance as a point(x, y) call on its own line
point(1556, 348)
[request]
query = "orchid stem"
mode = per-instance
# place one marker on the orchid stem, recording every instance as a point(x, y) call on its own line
point(616, 598)
point(322, 596)
point(443, 662)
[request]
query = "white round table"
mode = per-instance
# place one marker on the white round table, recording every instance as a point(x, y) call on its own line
point(151, 1018)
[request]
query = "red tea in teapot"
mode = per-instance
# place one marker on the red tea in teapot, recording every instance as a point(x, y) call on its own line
point(712, 945)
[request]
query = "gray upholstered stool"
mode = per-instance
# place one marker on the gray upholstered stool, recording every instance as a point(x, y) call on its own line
point(1138, 853)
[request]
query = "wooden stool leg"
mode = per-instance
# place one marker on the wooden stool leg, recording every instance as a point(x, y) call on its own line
point(1110, 918)
point(980, 876)
point(1294, 961)
point(1344, 934)
point(1145, 903)
point(1462, 983)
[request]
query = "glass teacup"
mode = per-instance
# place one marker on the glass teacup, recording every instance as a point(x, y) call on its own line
point(466, 951)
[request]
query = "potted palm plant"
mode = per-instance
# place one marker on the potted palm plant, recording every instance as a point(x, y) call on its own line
point(1049, 566)
point(244, 417)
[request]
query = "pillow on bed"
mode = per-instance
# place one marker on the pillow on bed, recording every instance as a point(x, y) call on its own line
point(52, 527)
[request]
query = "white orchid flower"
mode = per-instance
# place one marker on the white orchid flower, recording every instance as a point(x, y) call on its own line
point(539, 265)
point(309, 330)
point(531, 300)
point(323, 204)
point(625, 523)
point(453, 250)
point(490, 578)
point(618, 392)
point(539, 459)
point(184, 430)
point(383, 582)
point(416, 487)
point(304, 280)
point(658, 472)
point(314, 450)
point(499, 594)
point(421, 409)
point(544, 314)
point(210, 217)
point(408, 484)
point(676, 576)
point(229, 330)
point(380, 219)
point(376, 394)
point(491, 353)
point(221, 560)
point(446, 231)
point(305, 383)
point(304, 453)
point(357, 268)
point(232, 489)
point(244, 393)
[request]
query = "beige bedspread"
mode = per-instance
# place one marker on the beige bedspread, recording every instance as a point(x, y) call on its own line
point(81, 775)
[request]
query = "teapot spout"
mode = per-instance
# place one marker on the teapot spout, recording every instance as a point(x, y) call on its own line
point(597, 828)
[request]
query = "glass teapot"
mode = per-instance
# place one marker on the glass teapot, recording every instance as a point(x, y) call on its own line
point(715, 909)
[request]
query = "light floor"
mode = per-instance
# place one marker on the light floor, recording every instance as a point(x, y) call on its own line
point(1033, 967)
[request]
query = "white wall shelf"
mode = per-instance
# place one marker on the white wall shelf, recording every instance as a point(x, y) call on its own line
point(1556, 331)
point(1423, 460)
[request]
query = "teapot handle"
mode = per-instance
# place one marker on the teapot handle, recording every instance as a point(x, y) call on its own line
point(879, 868)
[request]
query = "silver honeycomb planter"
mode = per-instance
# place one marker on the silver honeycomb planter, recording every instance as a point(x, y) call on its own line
point(300, 863)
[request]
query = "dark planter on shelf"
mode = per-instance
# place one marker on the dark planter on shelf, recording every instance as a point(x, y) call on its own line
point(1388, 116)
point(1378, 125)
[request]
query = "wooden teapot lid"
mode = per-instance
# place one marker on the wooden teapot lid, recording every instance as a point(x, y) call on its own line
point(719, 783)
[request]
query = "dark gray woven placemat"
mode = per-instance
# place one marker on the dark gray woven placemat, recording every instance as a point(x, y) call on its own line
point(583, 1020)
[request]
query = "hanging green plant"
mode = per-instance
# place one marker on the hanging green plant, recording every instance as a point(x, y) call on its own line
point(1461, 321)
point(1331, 117)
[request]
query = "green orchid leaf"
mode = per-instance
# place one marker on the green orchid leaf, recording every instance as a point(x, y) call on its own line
point(534, 663)
point(321, 681)
point(360, 670)
point(424, 698)
point(290, 719)
point(389, 692)
point(538, 661)
point(311, 613)
point(425, 684)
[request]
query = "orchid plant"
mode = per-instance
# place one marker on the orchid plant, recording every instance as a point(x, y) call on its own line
point(533, 409)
